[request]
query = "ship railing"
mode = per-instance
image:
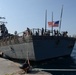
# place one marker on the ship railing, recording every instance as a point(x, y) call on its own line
point(25, 36)
point(22, 37)
point(16, 39)
point(40, 32)
point(47, 32)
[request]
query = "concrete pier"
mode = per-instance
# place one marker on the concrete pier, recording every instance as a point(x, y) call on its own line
point(8, 67)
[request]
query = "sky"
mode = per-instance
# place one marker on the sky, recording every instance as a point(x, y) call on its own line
point(21, 14)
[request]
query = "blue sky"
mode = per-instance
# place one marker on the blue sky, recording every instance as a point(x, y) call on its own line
point(21, 14)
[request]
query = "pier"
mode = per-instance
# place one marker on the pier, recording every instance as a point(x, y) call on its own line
point(8, 67)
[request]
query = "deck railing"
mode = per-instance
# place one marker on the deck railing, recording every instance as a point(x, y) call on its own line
point(26, 36)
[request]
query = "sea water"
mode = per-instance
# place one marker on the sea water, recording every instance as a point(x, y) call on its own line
point(60, 63)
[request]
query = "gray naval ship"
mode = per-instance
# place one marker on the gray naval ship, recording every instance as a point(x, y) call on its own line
point(35, 44)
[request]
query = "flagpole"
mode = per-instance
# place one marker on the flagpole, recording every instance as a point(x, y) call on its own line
point(61, 18)
point(52, 22)
point(45, 20)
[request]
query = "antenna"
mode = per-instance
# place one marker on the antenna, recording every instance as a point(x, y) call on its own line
point(1, 22)
point(2, 17)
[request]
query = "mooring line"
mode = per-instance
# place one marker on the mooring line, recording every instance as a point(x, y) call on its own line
point(54, 69)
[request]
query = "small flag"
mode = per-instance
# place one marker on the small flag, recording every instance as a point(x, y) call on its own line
point(53, 24)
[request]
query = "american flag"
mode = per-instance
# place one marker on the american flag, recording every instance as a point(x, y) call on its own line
point(53, 24)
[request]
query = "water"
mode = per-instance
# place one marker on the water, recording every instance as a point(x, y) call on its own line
point(60, 63)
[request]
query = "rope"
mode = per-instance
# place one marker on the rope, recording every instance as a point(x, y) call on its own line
point(38, 69)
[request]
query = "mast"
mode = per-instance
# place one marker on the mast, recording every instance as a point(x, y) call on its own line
point(61, 18)
point(52, 22)
point(45, 20)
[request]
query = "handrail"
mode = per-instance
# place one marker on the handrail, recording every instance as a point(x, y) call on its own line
point(15, 40)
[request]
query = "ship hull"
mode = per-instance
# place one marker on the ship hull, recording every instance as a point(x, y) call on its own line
point(40, 48)
point(52, 47)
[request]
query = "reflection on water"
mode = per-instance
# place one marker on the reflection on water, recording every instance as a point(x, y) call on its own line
point(58, 63)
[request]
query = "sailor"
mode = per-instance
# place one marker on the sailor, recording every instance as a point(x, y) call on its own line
point(48, 32)
point(37, 33)
point(15, 32)
point(16, 37)
point(24, 34)
point(42, 32)
point(28, 32)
